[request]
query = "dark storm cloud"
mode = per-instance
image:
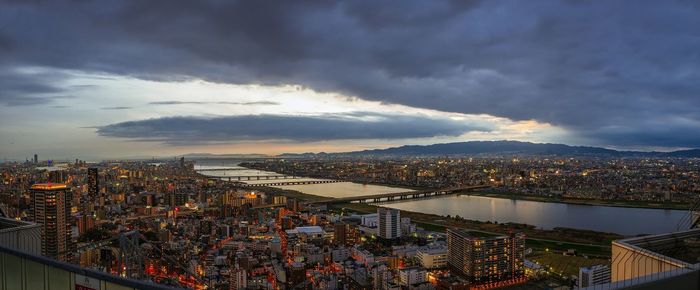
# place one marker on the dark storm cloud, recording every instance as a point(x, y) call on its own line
point(186, 130)
point(584, 66)
point(652, 133)
point(29, 88)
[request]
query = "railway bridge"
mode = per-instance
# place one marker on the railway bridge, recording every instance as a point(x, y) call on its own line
point(300, 182)
point(375, 198)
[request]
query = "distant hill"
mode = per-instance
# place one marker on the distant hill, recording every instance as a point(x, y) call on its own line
point(220, 156)
point(692, 153)
point(502, 148)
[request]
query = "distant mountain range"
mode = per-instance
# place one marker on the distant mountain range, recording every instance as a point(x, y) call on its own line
point(500, 148)
point(219, 156)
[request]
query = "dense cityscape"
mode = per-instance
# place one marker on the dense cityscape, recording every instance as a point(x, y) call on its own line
point(165, 222)
point(633, 179)
point(349, 145)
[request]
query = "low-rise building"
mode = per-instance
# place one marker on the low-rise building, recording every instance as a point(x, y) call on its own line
point(594, 275)
point(412, 276)
point(432, 257)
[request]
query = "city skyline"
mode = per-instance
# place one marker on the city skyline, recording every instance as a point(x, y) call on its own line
point(134, 79)
point(401, 144)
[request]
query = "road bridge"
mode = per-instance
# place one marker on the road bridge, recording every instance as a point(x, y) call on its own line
point(375, 198)
point(253, 177)
point(283, 183)
point(223, 169)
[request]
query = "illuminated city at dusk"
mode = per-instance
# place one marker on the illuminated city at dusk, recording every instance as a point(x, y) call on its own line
point(428, 145)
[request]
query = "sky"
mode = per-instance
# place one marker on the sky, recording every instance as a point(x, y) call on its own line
point(111, 79)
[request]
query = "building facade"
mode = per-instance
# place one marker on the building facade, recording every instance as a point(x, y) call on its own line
point(50, 208)
point(389, 223)
point(346, 234)
point(485, 260)
point(93, 184)
point(594, 275)
point(654, 255)
point(432, 258)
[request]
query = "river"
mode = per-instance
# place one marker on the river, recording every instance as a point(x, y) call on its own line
point(545, 215)
point(337, 189)
point(548, 215)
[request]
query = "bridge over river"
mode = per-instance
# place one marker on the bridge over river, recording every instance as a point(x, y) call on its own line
point(253, 177)
point(224, 169)
point(374, 198)
point(283, 183)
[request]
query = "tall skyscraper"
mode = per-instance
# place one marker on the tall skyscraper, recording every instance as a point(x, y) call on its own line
point(389, 223)
point(93, 184)
point(36, 159)
point(50, 207)
point(485, 260)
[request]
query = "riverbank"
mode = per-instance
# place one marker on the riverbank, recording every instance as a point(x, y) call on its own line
point(581, 201)
point(558, 240)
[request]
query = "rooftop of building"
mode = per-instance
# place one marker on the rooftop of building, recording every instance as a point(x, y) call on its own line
point(683, 246)
point(434, 250)
point(49, 186)
point(306, 230)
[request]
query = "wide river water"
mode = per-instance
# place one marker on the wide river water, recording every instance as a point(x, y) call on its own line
point(545, 215)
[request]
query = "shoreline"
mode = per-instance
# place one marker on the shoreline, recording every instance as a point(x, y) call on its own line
point(558, 241)
point(589, 202)
point(584, 241)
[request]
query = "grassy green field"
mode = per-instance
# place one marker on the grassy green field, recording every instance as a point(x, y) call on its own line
point(565, 265)
point(555, 246)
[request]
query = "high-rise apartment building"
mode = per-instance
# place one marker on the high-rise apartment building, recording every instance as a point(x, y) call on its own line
point(93, 183)
point(485, 260)
point(50, 207)
point(389, 223)
point(346, 234)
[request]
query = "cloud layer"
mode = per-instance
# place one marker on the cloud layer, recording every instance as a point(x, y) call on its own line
point(184, 130)
point(253, 103)
point(604, 70)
